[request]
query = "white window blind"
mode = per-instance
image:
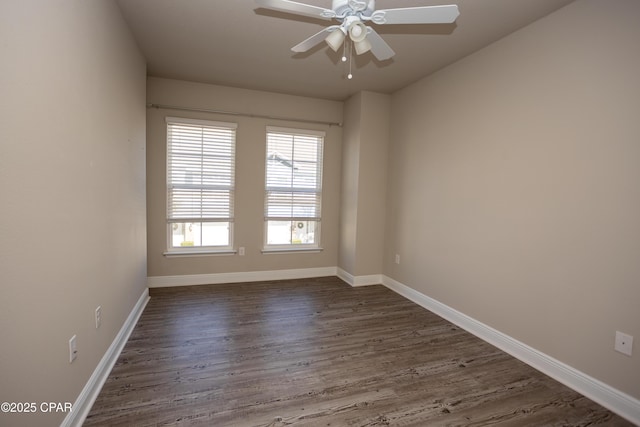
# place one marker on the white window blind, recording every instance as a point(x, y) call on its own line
point(293, 185)
point(200, 171)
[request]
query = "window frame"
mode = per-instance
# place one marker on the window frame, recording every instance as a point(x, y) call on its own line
point(318, 190)
point(169, 221)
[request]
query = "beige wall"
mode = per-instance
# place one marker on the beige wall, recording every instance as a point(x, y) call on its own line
point(514, 191)
point(364, 181)
point(375, 122)
point(250, 163)
point(72, 184)
point(349, 183)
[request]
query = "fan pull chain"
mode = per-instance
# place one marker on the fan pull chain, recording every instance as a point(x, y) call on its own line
point(350, 76)
point(344, 51)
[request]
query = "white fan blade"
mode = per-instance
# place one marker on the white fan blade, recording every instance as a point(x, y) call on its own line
point(379, 48)
point(417, 15)
point(297, 8)
point(314, 39)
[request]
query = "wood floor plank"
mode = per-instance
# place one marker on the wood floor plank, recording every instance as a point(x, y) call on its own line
point(317, 352)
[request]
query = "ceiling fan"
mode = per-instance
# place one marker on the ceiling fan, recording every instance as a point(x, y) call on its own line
point(352, 16)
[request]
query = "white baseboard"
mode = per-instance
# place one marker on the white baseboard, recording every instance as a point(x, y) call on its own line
point(372, 279)
point(238, 277)
point(621, 403)
point(90, 392)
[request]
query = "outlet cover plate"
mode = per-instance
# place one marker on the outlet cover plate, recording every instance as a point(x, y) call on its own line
point(624, 343)
point(98, 316)
point(73, 349)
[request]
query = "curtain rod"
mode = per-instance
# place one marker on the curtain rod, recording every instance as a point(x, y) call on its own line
point(233, 113)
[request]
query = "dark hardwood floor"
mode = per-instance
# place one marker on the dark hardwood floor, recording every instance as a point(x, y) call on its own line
point(317, 352)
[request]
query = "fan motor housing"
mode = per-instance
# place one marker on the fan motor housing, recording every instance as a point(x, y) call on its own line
point(341, 7)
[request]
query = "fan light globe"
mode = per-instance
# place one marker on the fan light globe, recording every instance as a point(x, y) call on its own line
point(335, 39)
point(357, 31)
point(362, 46)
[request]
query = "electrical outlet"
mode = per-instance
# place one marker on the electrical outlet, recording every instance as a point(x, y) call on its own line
point(624, 343)
point(241, 251)
point(397, 259)
point(98, 316)
point(73, 349)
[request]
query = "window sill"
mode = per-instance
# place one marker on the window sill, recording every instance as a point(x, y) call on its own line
point(290, 250)
point(189, 253)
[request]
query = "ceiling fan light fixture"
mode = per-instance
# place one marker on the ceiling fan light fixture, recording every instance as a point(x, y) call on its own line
point(362, 46)
point(352, 14)
point(357, 31)
point(335, 39)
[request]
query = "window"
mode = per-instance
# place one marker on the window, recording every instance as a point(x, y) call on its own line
point(293, 189)
point(200, 185)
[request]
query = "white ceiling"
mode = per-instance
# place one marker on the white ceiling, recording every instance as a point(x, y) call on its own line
point(235, 43)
